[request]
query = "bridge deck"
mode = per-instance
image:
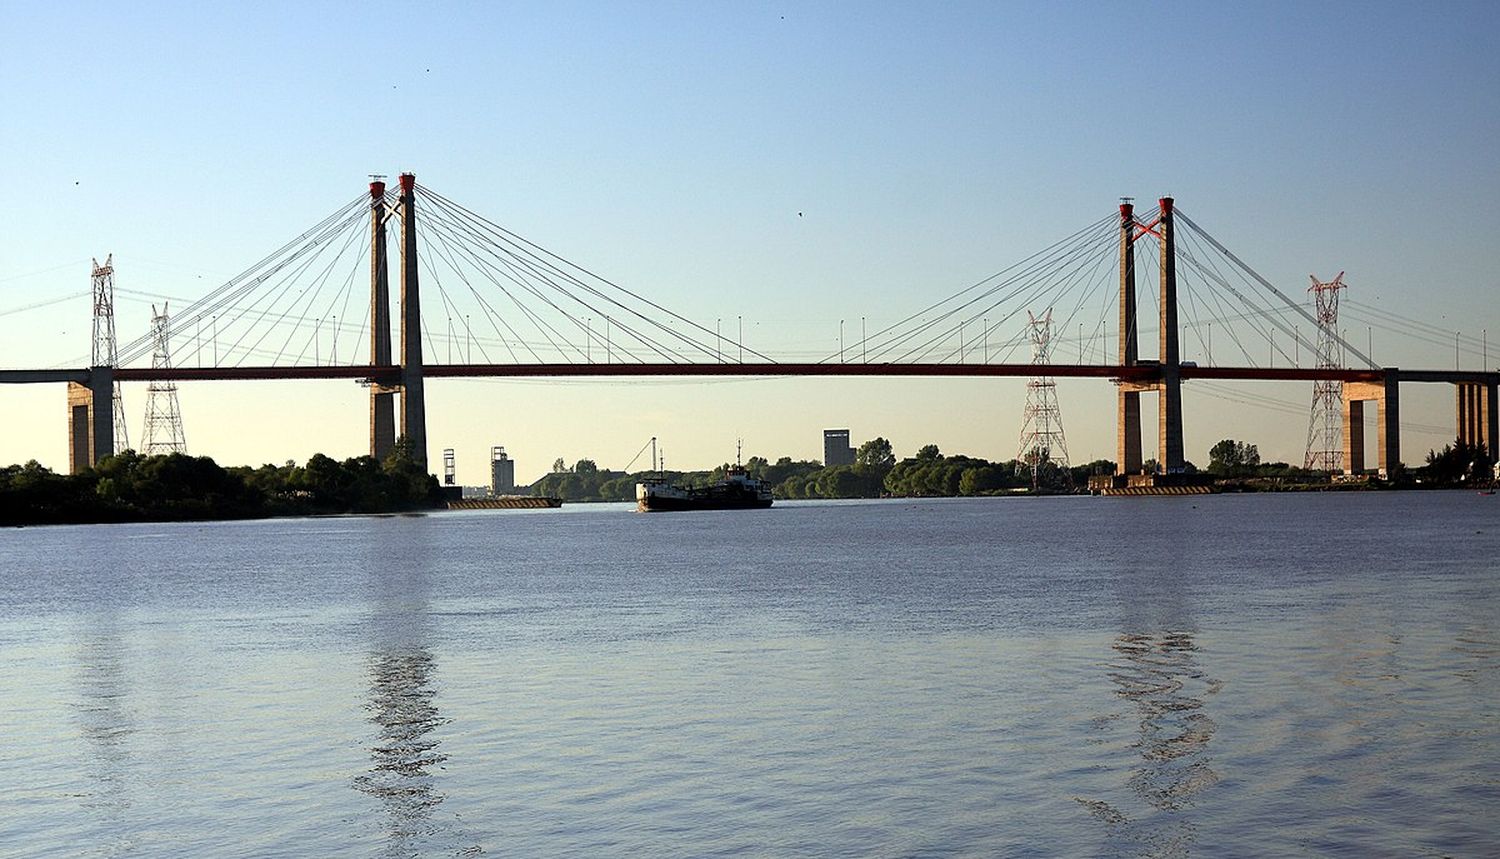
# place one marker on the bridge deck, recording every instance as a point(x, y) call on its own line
point(390, 374)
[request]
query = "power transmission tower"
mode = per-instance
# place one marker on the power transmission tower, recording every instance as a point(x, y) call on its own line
point(1325, 430)
point(106, 353)
point(163, 418)
point(1042, 439)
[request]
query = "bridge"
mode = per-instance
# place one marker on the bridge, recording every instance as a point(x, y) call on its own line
point(540, 311)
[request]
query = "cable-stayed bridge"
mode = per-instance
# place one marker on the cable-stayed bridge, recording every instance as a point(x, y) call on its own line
point(468, 298)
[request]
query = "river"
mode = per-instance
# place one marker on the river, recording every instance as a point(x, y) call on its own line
point(1256, 675)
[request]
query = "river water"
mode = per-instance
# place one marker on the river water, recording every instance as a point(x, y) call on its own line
point(1261, 675)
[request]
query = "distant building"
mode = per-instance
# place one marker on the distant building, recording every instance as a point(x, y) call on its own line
point(502, 472)
point(836, 449)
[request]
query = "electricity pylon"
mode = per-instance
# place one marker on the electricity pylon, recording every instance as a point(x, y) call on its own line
point(106, 352)
point(1042, 439)
point(163, 417)
point(1325, 430)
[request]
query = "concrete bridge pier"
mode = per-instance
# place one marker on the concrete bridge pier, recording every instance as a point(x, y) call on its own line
point(91, 419)
point(382, 397)
point(1128, 459)
point(1169, 406)
point(1477, 414)
point(1386, 397)
point(1128, 441)
point(413, 399)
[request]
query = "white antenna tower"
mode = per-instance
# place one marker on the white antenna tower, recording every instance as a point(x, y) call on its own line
point(1325, 427)
point(163, 417)
point(106, 353)
point(1042, 439)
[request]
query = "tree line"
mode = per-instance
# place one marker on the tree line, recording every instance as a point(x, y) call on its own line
point(130, 487)
point(876, 472)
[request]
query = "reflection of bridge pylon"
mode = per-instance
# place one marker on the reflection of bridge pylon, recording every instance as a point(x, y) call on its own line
point(106, 351)
point(1042, 439)
point(163, 417)
point(1325, 448)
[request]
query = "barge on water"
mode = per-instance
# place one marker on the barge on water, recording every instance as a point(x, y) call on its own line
point(505, 502)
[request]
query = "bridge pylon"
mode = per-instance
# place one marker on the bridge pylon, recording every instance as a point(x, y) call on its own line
point(382, 397)
point(413, 399)
point(413, 424)
point(1168, 384)
point(1128, 458)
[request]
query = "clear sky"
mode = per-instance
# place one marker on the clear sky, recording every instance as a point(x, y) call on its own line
point(672, 146)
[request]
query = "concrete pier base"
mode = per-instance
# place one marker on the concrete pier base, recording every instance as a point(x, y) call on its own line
point(1386, 397)
point(91, 420)
point(1128, 439)
point(1475, 413)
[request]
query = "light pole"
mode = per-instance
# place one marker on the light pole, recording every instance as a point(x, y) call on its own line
point(841, 341)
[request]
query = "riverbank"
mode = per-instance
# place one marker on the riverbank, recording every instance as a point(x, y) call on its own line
point(180, 488)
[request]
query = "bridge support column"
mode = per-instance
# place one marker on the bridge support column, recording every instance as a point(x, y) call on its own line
point(382, 398)
point(1128, 458)
point(1128, 440)
point(413, 400)
point(1354, 434)
point(91, 420)
point(1390, 426)
point(1475, 413)
point(1491, 407)
point(1386, 395)
point(1169, 405)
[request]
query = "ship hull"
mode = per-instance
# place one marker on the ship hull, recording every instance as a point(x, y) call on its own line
point(662, 504)
point(737, 493)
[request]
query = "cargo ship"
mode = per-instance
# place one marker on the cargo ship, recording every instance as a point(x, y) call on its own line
point(737, 491)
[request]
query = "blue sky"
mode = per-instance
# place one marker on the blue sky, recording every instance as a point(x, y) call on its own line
point(671, 147)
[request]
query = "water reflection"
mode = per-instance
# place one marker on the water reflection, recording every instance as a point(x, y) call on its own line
point(405, 750)
point(106, 725)
point(1158, 676)
point(402, 701)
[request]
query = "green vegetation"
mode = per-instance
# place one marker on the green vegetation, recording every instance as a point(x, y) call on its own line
point(1230, 457)
point(875, 473)
point(130, 488)
point(1237, 465)
point(1458, 464)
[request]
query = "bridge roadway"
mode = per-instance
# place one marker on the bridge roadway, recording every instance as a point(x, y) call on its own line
point(391, 374)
